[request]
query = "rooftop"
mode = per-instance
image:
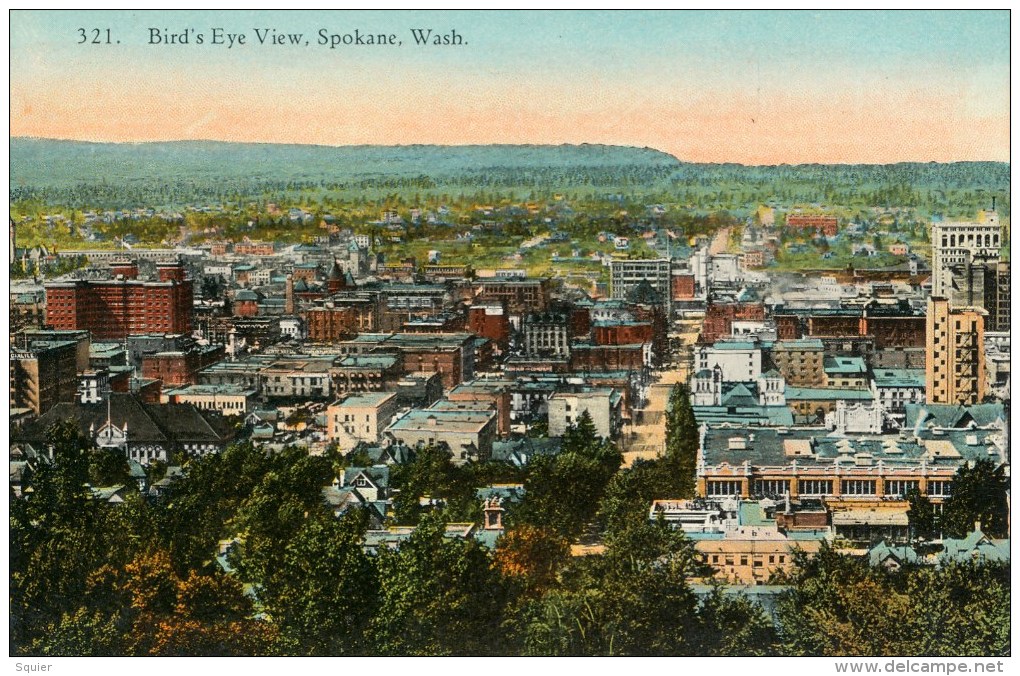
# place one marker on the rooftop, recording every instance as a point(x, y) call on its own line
point(366, 399)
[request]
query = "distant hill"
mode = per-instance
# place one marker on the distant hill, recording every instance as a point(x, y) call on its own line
point(53, 163)
point(114, 175)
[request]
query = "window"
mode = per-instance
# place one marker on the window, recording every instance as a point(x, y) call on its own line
point(858, 487)
point(899, 487)
point(724, 487)
point(743, 560)
point(815, 487)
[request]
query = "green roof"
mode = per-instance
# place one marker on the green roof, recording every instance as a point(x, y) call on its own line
point(826, 394)
point(851, 366)
point(899, 377)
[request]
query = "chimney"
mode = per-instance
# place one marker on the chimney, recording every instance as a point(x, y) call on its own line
point(288, 303)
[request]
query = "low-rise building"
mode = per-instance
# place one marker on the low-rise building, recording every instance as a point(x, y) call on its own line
point(224, 399)
point(603, 404)
point(468, 434)
point(739, 540)
point(366, 372)
point(361, 417)
point(845, 372)
point(895, 388)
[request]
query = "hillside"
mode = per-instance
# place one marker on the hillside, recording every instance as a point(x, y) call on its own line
point(111, 175)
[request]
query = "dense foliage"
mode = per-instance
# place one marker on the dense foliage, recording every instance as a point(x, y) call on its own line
point(144, 577)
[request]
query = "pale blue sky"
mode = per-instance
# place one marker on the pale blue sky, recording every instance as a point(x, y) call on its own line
point(642, 78)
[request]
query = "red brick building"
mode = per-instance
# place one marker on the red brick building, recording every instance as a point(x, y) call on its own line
point(826, 225)
point(496, 395)
point(180, 368)
point(788, 327)
point(249, 248)
point(329, 324)
point(447, 360)
point(683, 287)
point(112, 309)
point(585, 357)
point(624, 333)
point(520, 295)
point(896, 332)
point(490, 321)
point(719, 318)
point(246, 303)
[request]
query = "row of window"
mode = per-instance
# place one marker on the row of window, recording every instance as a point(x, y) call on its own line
point(758, 560)
point(936, 488)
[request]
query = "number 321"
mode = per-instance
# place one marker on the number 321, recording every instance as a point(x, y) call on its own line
point(96, 34)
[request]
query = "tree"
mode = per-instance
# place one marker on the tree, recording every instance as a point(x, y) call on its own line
point(921, 516)
point(979, 497)
point(839, 606)
point(632, 600)
point(437, 596)
point(734, 626)
point(530, 557)
point(433, 473)
point(682, 440)
point(322, 593)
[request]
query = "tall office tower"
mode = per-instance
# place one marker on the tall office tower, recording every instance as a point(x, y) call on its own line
point(955, 364)
point(963, 254)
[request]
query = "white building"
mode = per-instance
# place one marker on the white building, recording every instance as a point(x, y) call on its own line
point(603, 404)
point(292, 327)
point(960, 254)
point(626, 275)
point(740, 361)
point(361, 417)
point(856, 418)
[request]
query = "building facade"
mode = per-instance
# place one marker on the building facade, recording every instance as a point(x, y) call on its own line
point(116, 308)
point(955, 369)
point(962, 256)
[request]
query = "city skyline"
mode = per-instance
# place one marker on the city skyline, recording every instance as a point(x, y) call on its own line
point(714, 86)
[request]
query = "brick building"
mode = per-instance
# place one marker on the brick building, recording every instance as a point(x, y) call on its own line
point(955, 369)
point(115, 308)
point(329, 324)
point(801, 362)
point(180, 367)
point(246, 303)
point(588, 357)
point(520, 295)
point(826, 225)
point(719, 318)
point(250, 248)
point(683, 287)
point(490, 321)
point(621, 333)
point(42, 374)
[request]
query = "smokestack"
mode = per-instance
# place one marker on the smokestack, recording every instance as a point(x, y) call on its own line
point(993, 202)
point(288, 306)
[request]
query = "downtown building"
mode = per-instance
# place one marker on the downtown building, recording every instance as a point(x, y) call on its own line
point(124, 306)
point(955, 367)
point(626, 276)
point(965, 260)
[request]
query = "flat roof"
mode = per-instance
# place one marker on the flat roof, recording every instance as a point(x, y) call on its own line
point(365, 399)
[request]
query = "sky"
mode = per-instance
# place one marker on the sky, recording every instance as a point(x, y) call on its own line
point(767, 87)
